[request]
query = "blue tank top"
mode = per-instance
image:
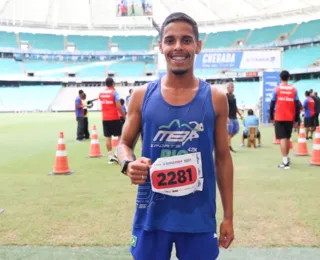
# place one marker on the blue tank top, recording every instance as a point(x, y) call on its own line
point(191, 213)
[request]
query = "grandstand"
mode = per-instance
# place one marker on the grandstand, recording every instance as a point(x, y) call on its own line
point(299, 38)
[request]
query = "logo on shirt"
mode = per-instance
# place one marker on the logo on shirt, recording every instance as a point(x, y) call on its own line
point(175, 135)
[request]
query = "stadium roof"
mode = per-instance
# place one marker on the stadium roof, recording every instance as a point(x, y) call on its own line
point(101, 14)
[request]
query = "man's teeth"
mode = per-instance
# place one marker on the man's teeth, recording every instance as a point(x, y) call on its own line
point(178, 58)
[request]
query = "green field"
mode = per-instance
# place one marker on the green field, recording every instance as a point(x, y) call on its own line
point(95, 205)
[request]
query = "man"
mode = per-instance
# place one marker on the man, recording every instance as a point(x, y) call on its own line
point(181, 115)
point(309, 115)
point(79, 109)
point(251, 120)
point(85, 117)
point(285, 98)
point(233, 124)
point(111, 111)
point(129, 96)
point(122, 120)
point(317, 108)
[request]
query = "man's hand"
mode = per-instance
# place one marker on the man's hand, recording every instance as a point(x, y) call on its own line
point(138, 170)
point(226, 233)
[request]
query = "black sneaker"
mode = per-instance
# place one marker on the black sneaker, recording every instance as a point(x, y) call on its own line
point(284, 166)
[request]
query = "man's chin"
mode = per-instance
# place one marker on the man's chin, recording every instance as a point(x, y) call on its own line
point(178, 72)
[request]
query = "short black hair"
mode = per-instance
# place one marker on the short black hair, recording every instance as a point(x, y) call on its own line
point(121, 101)
point(182, 17)
point(109, 82)
point(307, 93)
point(250, 112)
point(80, 91)
point(284, 75)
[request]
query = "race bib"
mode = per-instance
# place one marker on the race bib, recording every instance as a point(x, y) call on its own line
point(177, 175)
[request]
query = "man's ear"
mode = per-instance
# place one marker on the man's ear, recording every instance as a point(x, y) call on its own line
point(199, 47)
point(160, 46)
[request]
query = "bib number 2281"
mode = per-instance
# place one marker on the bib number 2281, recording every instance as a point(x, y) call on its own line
point(177, 175)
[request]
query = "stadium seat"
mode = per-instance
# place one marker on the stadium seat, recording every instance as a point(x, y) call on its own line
point(300, 57)
point(306, 30)
point(224, 39)
point(43, 41)
point(127, 69)
point(89, 43)
point(8, 40)
point(10, 66)
point(133, 43)
point(44, 69)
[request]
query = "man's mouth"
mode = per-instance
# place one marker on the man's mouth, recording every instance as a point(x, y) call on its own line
point(179, 57)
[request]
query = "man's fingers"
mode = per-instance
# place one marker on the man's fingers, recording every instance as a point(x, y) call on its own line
point(138, 177)
point(139, 167)
point(138, 181)
point(228, 241)
point(146, 161)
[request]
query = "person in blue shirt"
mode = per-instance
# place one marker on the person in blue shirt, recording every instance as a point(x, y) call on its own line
point(80, 115)
point(122, 120)
point(250, 120)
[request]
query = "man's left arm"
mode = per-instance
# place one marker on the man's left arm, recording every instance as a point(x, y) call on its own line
point(224, 167)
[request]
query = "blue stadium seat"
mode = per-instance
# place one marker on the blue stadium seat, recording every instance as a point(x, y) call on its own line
point(306, 30)
point(8, 39)
point(304, 85)
point(133, 43)
point(268, 34)
point(89, 43)
point(247, 93)
point(24, 97)
point(127, 69)
point(42, 68)
point(10, 66)
point(43, 41)
point(224, 39)
point(87, 69)
point(300, 58)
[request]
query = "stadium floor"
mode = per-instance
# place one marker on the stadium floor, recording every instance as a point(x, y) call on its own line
point(90, 212)
point(122, 253)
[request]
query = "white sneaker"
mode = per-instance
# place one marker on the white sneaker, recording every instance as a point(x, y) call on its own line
point(113, 160)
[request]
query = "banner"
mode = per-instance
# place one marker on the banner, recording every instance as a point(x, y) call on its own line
point(134, 8)
point(270, 80)
point(262, 59)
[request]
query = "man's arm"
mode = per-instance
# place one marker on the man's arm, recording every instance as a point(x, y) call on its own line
point(272, 105)
point(118, 104)
point(137, 171)
point(79, 103)
point(297, 107)
point(224, 167)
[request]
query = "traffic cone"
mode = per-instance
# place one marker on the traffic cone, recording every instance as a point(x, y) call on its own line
point(115, 141)
point(302, 149)
point(275, 140)
point(315, 159)
point(94, 145)
point(291, 144)
point(61, 166)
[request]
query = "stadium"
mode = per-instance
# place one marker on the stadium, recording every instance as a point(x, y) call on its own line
point(50, 49)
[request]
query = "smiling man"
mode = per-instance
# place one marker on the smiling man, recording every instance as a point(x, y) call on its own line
point(182, 121)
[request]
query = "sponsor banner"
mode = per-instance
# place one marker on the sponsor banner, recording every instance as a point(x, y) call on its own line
point(270, 81)
point(268, 59)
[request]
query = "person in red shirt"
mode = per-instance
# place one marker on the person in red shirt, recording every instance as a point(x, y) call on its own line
point(111, 113)
point(309, 115)
point(285, 99)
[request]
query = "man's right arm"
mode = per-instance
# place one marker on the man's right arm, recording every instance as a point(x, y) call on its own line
point(137, 170)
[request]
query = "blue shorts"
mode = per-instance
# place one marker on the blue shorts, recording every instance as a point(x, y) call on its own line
point(233, 126)
point(157, 245)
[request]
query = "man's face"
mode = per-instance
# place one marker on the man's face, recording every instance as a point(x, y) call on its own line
point(179, 47)
point(230, 88)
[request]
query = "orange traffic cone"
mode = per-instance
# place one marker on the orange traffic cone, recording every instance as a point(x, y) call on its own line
point(94, 145)
point(315, 159)
point(61, 166)
point(275, 140)
point(115, 141)
point(291, 144)
point(302, 149)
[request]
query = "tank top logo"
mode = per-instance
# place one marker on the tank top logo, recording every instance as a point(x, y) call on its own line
point(172, 137)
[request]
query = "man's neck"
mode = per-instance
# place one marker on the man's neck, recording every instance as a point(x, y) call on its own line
point(180, 81)
point(284, 83)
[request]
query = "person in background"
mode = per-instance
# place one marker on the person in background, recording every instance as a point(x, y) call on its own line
point(122, 119)
point(250, 120)
point(85, 117)
point(111, 111)
point(317, 109)
point(233, 124)
point(286, 100)
point(79, 110)
point(128, 97)
point(309, 115)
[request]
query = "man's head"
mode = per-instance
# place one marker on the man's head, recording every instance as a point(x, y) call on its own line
point(250, 112)
point(121, 101)
point(230, 88)
point(179, 42)
point(307, 93)
point(284, 76)
point(110, 82)
point(130, 91)
point(315, 94)
point(81, 93)
point(84, 96)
